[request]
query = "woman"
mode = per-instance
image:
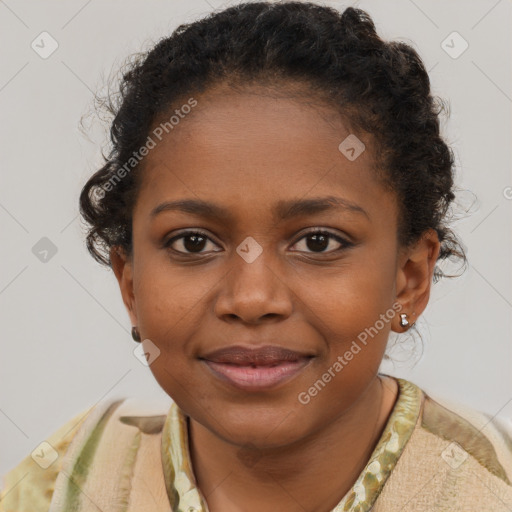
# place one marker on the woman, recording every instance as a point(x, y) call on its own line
point(274, 206)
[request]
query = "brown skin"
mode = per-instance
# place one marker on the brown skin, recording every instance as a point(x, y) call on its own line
point(244, 152)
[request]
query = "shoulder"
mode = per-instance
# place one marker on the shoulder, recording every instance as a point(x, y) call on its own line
point(29, 485)
point(471, 433)
point(115, 457)
point(457, 458)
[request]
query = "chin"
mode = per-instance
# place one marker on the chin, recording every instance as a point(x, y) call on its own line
point(271, 429)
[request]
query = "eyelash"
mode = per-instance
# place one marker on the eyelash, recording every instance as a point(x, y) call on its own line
point(345, 243)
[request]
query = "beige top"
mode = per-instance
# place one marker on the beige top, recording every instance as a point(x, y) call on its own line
point(120, 456)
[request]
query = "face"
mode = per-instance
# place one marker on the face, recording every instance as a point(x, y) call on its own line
point(259, 273)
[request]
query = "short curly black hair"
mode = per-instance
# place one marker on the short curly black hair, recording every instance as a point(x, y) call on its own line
point(381, 87)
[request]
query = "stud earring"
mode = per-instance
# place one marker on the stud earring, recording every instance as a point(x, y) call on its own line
point(135, 334)
point(403, 320)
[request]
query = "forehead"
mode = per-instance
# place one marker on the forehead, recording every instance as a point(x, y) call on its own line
point(252, 149)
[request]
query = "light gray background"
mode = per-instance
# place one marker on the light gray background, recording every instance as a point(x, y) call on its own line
point(65, 333)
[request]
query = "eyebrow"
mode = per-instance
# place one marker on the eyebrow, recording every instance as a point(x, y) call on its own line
point(283, 210)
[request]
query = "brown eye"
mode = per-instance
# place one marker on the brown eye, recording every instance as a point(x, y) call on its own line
point(318, 241)
point(188, 242)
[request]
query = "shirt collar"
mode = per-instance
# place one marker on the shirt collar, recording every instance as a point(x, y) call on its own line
point(185, 495)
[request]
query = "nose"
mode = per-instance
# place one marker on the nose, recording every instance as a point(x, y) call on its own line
point(254, 292)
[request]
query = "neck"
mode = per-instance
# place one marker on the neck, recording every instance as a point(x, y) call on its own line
point(296, 477)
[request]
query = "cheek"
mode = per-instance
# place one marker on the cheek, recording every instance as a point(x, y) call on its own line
point(350, 302)
point(171, 309)
point(170, 300)
point(353, 312)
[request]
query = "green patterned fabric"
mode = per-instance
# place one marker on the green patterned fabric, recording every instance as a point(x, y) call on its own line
point(185, 496)
point(432, 456)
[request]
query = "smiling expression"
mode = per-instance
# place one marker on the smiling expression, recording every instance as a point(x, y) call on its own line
point(250, 172)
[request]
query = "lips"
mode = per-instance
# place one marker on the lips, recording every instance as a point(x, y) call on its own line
point(258, 369)
point(263, 356)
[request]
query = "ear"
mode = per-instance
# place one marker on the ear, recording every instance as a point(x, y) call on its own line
point(122, 265)
point(414, 277)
